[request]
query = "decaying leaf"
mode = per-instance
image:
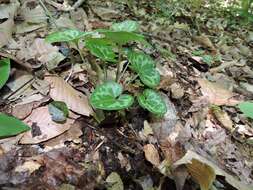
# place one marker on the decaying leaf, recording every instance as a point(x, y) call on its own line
point(216, 94)
point(29, 166)
point(223, 118)
point(202, 173)
point(46, 53)
point(62, 91)
point(199, 167)
point(151, 154)
point(7, 11)
point(6, 30)
point(33, 17)
point(43, 128)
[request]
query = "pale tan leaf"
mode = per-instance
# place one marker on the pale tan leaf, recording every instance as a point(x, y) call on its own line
point(28, 166)
point(75, 100)
point(6, 29)
point(216, 94)
point(193, 160)
point(42, 127)
point(151, 154)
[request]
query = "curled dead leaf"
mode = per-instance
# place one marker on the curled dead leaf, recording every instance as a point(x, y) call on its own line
point(199, 166)
point(75, 100)
point(151, 154)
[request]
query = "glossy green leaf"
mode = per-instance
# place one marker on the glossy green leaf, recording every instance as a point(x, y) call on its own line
point(66, 36)
point(10, 126)
point(127, 26)
point(101, 48)
point(145, 67)
point(58, 111)
point(150, 77)
point(108, 96)
point(153, 102)
point(123, 37)
point(5, 68)
point(247, 109)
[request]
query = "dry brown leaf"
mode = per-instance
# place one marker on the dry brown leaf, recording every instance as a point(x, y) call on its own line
point(151, 154)
point(205, 41)
point(193, 160)
point(72, 134)
point(223, 118)
point(6, 30)
point(43, 128)
point(46, 53)
point(75, 100)
point(216, 94)
point(202, 173)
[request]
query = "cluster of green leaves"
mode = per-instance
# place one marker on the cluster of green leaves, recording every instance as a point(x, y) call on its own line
point(9, 126)
point(107, 45)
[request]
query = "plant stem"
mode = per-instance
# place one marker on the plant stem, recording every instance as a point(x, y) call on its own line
point(123, 72)
point(118, 65)
point(133, 79)
point(105, 71)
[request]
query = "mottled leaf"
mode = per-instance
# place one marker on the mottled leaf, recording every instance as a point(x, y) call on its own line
point(66, 36)
point(101, 48)
point(140, 61)
point(247, 109)
point(5, 68)
point(10, 126)
point(108, 96)
point(150, 77)
point(153, 102)
point(128, 26)
point(145, 67)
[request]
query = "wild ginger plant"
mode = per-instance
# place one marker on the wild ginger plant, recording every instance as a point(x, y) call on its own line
point(107, 45)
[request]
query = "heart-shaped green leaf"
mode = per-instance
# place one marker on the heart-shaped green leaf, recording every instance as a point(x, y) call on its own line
point(145, 67)
point(128, 26)
point(123, 37)
point(101, 48)
point(153, 102)
point(140, 61)
point(58, 111)
point(108, 96)
point(10, 126)
point(150, 77)
point(5, 68)
point(247, 109)
point(66, 35)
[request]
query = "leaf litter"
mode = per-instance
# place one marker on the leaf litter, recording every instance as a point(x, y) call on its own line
point(204, 140)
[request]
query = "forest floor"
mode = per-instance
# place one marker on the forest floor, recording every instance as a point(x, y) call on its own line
point(206, 67)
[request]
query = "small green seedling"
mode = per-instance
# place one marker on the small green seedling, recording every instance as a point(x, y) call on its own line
point(109, 46)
